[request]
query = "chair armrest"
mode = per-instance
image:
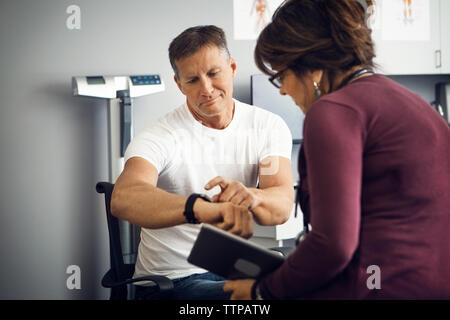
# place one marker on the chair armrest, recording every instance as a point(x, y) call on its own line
point(284, 251)
point(163, 283)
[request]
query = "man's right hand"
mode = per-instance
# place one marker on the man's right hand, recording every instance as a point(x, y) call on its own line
point(225, 215)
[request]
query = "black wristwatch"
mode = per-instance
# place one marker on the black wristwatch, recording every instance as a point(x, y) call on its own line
point(189, 207)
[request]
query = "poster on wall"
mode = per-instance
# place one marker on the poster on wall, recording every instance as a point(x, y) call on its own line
point(251, 16)
point(406, 20)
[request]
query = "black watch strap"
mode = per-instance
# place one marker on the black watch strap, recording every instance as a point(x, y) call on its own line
point(189, 207)
point(255, 292)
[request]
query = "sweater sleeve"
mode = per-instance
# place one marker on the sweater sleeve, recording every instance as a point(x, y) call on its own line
point(333, 142)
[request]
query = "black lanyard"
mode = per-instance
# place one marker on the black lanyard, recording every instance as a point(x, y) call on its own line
point(356, 75)
point(302, 198)
point(305, 230)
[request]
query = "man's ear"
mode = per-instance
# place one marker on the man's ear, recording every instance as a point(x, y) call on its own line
point(178, 82)
point(233, 66)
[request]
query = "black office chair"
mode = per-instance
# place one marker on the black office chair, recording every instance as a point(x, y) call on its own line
point(120, 274)
point(284, 251)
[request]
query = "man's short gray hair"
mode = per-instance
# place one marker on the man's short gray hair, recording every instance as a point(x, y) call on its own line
point(193, 39)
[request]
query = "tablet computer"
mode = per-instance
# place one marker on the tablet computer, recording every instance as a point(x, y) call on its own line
point(230, 256)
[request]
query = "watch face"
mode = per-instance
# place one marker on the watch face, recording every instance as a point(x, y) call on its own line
point(258, 293)
point(205, 197)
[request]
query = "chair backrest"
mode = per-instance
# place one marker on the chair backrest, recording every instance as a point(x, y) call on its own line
point(115, 248)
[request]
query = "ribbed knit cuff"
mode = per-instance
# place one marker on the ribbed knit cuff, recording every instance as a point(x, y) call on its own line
point(265, 293)
point(253, 291)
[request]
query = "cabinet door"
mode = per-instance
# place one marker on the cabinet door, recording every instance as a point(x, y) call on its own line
point(407, 36)
point(445, 36)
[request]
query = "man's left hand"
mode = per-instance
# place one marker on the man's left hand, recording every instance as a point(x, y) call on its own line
point(234, 192)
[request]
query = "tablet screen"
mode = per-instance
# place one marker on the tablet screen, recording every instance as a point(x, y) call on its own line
point(230, 256)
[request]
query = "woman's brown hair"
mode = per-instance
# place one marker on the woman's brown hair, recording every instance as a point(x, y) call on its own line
point(308, 35)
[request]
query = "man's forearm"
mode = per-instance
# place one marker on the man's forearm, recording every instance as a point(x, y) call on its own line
point(147, 206)
point(275, 205)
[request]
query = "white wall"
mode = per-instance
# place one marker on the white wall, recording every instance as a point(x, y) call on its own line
point(53, 146)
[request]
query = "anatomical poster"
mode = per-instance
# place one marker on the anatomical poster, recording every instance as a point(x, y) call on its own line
point(405, 20)
point(251, 16)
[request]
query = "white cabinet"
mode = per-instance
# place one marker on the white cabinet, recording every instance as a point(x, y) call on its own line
point(445, 35)
point(271, 236)
point(412, 42)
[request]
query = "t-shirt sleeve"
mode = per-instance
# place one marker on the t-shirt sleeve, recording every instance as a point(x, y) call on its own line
point(277, 139)
point(333, 142)
point(152, 144)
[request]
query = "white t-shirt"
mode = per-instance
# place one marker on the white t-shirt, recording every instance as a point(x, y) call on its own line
point(187, 155)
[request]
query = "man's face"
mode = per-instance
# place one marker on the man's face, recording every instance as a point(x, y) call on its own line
point(206, 79)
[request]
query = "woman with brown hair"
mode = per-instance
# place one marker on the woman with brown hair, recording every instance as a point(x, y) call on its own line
point(374, 166)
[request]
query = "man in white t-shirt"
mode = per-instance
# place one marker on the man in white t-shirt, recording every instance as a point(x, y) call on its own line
point(213, 145)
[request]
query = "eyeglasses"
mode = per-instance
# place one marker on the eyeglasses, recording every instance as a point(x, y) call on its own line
point(277, 78)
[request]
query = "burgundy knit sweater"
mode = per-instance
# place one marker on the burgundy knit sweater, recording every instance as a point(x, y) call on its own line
point(375, 163)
